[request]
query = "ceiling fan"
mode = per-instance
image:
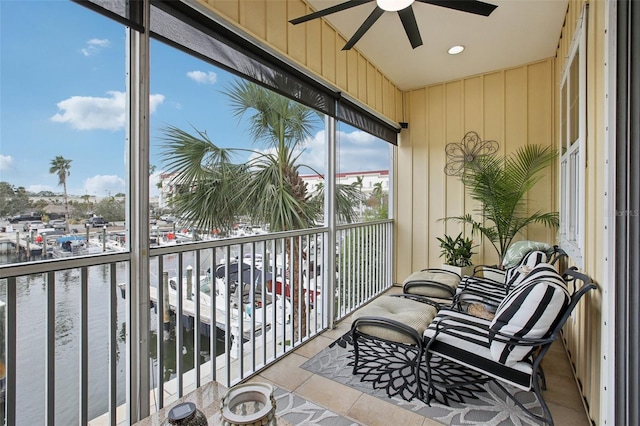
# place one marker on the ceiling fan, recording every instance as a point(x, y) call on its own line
point(405, 11)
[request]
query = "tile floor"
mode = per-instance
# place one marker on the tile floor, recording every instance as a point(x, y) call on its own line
point(561, 395)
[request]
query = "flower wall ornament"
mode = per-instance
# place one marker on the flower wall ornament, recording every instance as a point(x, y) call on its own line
point(469, 149)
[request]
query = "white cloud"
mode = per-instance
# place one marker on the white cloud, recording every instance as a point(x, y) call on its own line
point(6, 162)
point(91, 113)
point(103, 185)
point(357, 151)
point(203, 77)
point(94, 46)
point(154, 178)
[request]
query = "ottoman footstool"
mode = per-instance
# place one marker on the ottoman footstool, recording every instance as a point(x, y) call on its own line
point(397, 319)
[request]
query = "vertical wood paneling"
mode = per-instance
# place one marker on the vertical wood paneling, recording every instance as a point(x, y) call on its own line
point(296, 34)
point(436, 139)
point(253, 15)
point(498, 106)
point(400, 116)
point(229, 8)
point(404, 215)
point(420, 176)
point(328, 53)
point(454, 131)
point(473, 106)
point(494, 116)
point(342, 66)
point(539, 131)
point(314, 46)
point(371, 84)
point(352, 69)
point(276, 15)
point(473, 120)
point(362, 78)
point(515, 134)
point(379, 91)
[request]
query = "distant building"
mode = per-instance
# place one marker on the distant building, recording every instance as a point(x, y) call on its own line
point(369, 180)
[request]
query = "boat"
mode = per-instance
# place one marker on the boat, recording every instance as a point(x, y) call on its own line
point(72, 245)
point(231, 285)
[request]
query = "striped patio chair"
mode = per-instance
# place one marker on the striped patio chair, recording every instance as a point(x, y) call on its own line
point(491, 292)
point(509, 349)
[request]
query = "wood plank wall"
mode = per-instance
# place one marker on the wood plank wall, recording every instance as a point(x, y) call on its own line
point(583, 333)
point(316, 46)
point(514, 107)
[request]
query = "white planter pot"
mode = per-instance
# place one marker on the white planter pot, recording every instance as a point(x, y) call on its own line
point(460, 270)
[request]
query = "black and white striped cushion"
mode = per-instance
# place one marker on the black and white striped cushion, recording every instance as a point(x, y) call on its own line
point(530, 310)
point(479, 290)
point(466, 341)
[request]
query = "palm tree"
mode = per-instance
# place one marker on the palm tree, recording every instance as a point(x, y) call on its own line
point(213, 190)
point(61, 166)
point(359, 184)
point(500, 186)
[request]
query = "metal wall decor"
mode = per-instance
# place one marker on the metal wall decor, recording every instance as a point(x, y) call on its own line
point(469, 149)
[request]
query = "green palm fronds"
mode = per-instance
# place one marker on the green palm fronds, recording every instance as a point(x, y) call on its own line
point(500, 185)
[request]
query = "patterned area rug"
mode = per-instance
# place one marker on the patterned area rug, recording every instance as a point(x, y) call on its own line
point(299, 411)
point(384, 372)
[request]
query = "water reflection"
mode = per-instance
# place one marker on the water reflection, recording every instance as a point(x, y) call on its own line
point(31, 345)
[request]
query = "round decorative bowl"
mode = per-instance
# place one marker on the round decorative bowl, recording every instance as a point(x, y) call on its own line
point(249, 404)
point(185, 414)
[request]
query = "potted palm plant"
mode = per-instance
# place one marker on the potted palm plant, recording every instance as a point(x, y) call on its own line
point(500, 186)
point(457, 254)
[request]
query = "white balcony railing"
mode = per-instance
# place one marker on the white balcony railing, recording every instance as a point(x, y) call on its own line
point(219, 310)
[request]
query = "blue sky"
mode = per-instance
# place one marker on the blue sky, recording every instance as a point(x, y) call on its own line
point(62, 92)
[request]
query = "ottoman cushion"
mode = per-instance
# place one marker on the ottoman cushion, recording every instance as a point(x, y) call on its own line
point(432, 283)
point(413, 314)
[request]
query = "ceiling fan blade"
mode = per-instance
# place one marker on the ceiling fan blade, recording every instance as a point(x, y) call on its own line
point(408, 19)
point(328, 11)
point(371, 19)
point(471, 6)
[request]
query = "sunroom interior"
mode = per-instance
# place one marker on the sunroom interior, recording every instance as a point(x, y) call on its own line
point(577, 94)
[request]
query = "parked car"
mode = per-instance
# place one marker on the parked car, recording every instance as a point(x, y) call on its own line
point(97, 221)
point(25, 217)
point(58, 224)
point(32, 225)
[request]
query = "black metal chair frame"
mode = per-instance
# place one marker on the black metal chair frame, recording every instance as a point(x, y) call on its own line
point(397, 326)
point(539, 348)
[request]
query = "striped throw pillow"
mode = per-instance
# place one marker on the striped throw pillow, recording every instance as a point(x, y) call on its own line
point(531, 310)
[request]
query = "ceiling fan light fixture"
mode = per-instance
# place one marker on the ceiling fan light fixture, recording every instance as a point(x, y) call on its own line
point(393, 5)
point(455, 50)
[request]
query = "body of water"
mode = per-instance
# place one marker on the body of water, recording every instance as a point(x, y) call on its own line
point(31, 346)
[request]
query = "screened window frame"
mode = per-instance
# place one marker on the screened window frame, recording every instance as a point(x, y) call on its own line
point(573, 140)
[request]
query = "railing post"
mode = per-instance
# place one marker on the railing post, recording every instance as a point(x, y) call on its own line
point(330, 220)
point(138, 386)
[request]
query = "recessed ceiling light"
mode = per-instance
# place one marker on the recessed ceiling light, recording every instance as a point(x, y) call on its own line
point(455, 50)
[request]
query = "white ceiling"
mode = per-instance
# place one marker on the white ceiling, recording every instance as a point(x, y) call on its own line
point(517, 32)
